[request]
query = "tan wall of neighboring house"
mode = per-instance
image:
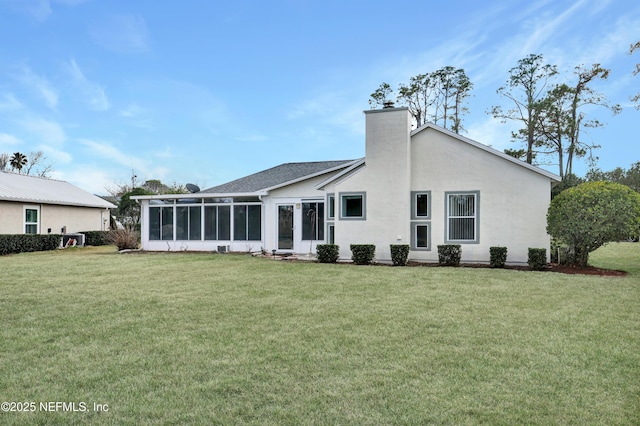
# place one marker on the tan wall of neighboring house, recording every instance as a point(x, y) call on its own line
point(11, 218)
point(75, 219)
point(54, 217)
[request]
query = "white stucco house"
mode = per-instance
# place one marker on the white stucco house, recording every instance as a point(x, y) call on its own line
point(421, 187)
point(34, 205)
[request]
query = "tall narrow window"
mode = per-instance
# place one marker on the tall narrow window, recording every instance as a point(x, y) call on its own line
point(421, 205)
point(167, 223)
point(331, 199)
point(313, 221)
point(421, 236)
point(462, 217)
point(30, 221)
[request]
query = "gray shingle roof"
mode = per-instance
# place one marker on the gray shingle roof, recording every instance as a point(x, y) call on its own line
point(32, 189)
point(278, 176)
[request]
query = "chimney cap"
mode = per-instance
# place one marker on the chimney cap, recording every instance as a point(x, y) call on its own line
point(388, 105)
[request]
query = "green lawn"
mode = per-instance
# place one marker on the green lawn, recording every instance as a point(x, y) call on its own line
point(174, 338)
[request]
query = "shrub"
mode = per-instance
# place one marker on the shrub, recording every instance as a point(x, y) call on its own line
point(96, 238)
point(328, 253)
point(27, 243)
point(449, 254)
point(399, 254)
point(124, 238)
point(537, 258)
point(362, 254)
point(589, 215)
point(497, 257)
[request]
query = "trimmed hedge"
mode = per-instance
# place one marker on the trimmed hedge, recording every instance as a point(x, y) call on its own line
point(328, 253)
point(362, 254)
point(497, 257)
point(537, 258)
point(96, 238)
point(399, 254)
point(449, 254)
point(28, 242)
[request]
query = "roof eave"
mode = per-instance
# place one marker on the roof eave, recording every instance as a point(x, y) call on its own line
point(354, 165)
point(199, 195)
point(58, 203)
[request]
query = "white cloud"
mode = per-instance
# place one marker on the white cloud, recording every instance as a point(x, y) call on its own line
point(7, 139)
point(89, 178)
point(8, 102)
point(55, 155)
point(97, 98)
point(122, 33)
point(38, 10)
point(107, 151)
point(45, 131)
point(39, 85)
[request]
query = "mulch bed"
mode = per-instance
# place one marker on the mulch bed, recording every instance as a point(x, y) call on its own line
point(553, 267)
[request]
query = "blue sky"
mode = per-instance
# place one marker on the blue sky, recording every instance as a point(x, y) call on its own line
point(208, 91)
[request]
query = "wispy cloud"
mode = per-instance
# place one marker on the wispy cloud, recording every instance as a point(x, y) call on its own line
point(107, 151)
point(137, 116)
point(38, 84)
point(7, 139)
point(96, 96)
point(38, 10)
point(8, 102)
point(45, 131)
point(122, 33)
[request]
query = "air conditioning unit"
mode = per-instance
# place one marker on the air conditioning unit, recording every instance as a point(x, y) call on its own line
point(73, 240)
point(224, 249)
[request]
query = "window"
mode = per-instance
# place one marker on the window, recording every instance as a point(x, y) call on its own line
point(161, 223)
point(188, 225)
point(331, 199)
point(332, 233)
point(421, 236)
point(462, 216)
point(217, 222)
point(313, 221)
point(247, 223)
point(31, 220)
point(421, 205)
point(353, 205)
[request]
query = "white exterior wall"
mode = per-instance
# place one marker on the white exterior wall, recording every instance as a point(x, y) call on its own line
point(513, 200)
point(386, 181)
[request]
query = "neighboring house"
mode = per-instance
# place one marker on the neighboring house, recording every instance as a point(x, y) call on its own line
point(424, 188)
point(34, 205)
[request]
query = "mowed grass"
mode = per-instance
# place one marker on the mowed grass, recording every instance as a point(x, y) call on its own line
point(175, 338)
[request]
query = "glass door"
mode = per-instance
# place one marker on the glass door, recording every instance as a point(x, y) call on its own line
point(285, 227)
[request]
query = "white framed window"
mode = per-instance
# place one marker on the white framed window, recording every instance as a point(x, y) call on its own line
point(313, 220)
point(331, 202)
point(421, 236)
point(353, 205)
point(462, 212)
point(421, 205)
point(31, 219)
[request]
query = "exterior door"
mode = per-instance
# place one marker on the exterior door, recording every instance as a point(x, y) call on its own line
point(285, 227)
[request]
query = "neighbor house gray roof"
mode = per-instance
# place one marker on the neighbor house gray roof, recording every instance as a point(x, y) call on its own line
point(278, 176)
point(32, 189)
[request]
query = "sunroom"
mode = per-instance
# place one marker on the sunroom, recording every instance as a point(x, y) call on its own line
point(202, 222)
